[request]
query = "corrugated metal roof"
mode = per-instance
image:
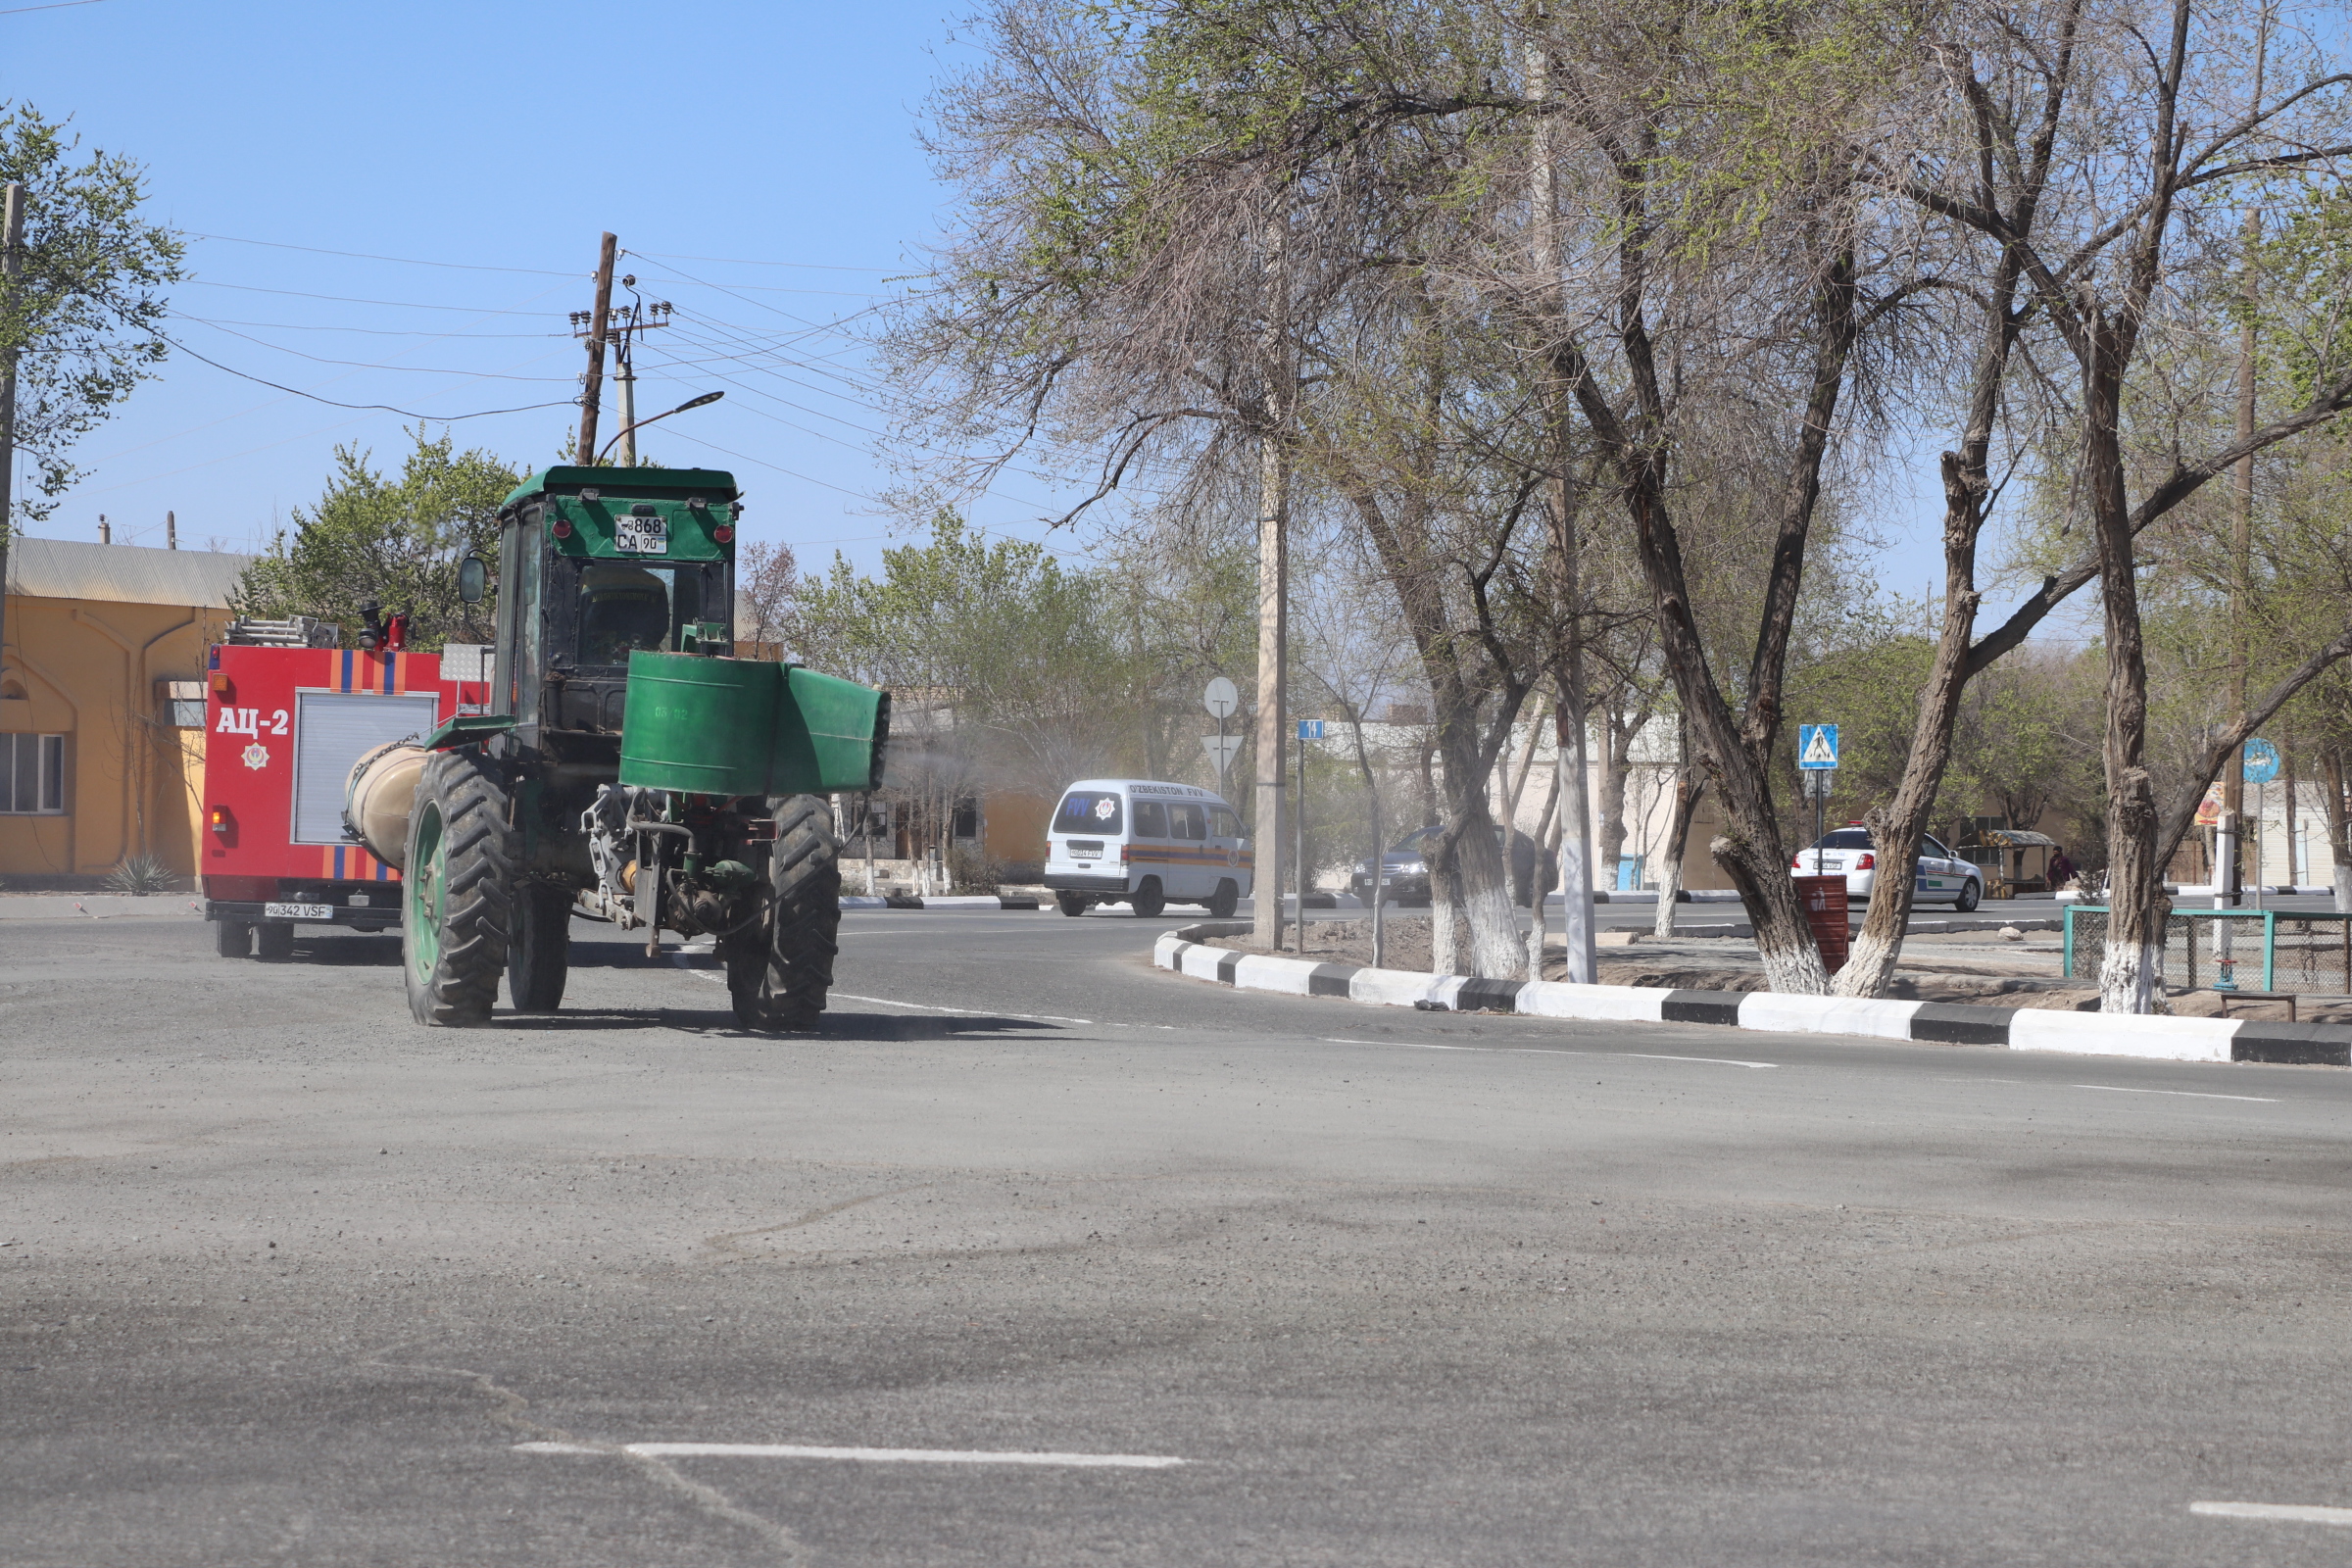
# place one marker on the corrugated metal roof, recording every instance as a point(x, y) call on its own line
point(124, 574)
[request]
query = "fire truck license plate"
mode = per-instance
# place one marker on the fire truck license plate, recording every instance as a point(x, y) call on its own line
point(641, 536)
point(299, 912)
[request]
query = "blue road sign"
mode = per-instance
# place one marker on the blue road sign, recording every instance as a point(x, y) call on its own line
point(1310, 730)
point(1815, 746)
point(2261, 761)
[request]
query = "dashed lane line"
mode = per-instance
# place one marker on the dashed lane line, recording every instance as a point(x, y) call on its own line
point(2185, 1094)
point(795, 1451)
point(2286, 1512)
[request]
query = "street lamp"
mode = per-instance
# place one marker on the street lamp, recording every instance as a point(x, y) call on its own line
point(690, 403)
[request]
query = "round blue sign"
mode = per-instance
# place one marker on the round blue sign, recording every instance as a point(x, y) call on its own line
point(2261, 761)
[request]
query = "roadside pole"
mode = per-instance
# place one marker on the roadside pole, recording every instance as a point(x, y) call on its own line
point(594, 388)
point(1309, 729)
point(12, 267)
point(1817, 765)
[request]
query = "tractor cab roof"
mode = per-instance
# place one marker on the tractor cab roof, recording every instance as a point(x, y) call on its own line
point(632, 484)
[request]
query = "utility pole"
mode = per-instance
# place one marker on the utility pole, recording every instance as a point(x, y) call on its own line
point(12, 268)
point(1577, 935)
point(170, 531)
point(1273, 583)
point(596, 349)
point(2226, 882)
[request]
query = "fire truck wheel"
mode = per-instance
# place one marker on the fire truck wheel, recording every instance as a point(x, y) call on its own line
point(233, 938)
point(781, 984)
point(455, 897)
point(539, 947)
point(273, 939)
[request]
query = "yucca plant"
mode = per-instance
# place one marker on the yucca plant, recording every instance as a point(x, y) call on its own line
point(140, 874)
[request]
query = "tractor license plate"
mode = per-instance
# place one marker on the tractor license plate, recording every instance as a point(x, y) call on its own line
point(641, 536)
point(299, 912)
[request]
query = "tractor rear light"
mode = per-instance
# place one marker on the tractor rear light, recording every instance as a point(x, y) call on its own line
point(1865, 861)
point(561, 527)
point(220, 820)
point(724, 533)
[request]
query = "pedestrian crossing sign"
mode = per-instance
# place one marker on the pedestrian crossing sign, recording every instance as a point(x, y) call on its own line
point(1815, 746)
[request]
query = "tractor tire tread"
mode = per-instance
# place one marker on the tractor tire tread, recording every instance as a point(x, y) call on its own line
point(476, 905)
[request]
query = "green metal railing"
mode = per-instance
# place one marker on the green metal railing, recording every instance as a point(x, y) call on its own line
point(2311, 951)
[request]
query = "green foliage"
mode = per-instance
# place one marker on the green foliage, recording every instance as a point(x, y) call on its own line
point(395, 542)
point(141, 874)
point(85, 317)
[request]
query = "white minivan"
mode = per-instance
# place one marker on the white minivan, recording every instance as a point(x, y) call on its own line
point(1145, 844)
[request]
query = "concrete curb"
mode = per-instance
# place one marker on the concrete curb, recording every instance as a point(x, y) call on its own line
point(1184, 952)
point(956, 902)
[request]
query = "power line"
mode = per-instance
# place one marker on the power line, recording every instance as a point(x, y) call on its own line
point(372, 331)
point(374, 365)
point(408, 413)
point(405, 261)
point(727, 260)
point(345, 299)
point(53, 5)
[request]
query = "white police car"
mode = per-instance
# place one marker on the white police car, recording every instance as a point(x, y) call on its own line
point(1940, 876)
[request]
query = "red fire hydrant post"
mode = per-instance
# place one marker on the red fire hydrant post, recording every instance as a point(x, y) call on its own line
point(1824, 899)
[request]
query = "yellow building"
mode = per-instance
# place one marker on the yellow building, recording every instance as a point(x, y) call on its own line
point(102, 661)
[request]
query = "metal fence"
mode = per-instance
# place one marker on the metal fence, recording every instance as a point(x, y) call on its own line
point(2266, 949)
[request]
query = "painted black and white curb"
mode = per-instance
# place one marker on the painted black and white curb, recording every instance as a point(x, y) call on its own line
point(1944, 1024)
point(960, 901)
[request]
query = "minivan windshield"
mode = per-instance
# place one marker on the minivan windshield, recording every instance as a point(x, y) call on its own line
point(1090, 812)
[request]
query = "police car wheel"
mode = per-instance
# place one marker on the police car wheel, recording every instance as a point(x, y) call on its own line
point(1148, 900)
point(273, 939)
point(539, 947)
point(233, 938)
point(1223, 902)
point(457, 895)
point(782, 984)
point(1970, 894)
point(1070, 903)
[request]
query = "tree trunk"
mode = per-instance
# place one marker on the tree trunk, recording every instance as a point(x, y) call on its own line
point(1608, 833)
point(1689, 786)
point(2131, 972)
point(1547, 843)
point(1479, 872)
point(2339, 843)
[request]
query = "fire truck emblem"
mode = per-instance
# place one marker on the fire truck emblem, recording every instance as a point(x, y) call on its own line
point(257, 757)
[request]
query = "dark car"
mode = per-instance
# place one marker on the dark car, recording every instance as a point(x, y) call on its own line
point(1405, 869)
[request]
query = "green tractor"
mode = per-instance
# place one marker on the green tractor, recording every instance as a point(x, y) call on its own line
point(629, 767)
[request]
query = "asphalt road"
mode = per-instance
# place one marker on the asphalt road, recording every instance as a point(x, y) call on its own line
point(288, 1280)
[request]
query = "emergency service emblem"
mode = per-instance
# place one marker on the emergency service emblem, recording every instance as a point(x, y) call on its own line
point(257, 757)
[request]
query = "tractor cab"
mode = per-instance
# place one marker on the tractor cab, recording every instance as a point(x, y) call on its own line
point(596, 565)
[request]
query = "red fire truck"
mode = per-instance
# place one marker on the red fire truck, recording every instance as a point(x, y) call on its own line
point(283, 725)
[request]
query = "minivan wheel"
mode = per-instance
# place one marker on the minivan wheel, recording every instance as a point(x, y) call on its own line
point(1148, 900)
point(1223, 902)
point(1072, 905)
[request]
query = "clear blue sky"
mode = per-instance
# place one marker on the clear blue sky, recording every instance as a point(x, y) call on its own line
point(778, 138)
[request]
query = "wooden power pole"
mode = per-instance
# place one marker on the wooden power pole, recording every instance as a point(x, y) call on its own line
point(596, 350)
point(12, 267)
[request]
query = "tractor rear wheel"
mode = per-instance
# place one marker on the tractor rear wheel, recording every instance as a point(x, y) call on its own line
point(539, 947)
point(233, 938)
point(456, 897)
point(781, 983)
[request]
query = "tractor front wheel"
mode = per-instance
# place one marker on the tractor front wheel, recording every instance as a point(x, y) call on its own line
point(781, 983)
point(539, 947)
point(457, 894)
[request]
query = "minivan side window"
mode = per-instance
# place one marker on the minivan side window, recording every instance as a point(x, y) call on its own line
point(1187, 820)
point(1089, 811)
point(1223, 823)
point(1151, 820)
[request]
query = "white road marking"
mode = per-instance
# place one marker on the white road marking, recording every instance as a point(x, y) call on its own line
point(1554, 1050)
point(2189, 1094)
point(795, 1450)
point(968, 1012)
point(2291, 1512)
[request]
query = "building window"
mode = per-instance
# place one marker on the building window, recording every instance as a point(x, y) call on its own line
point(967, 819)
point(33, 775)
